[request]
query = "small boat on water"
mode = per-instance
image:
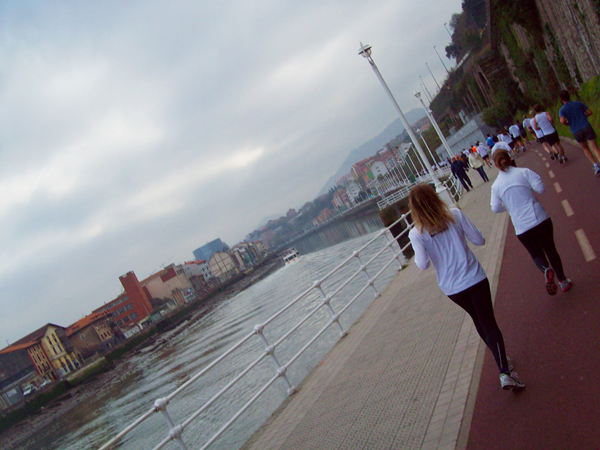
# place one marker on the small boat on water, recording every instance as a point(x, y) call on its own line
point(290, 256)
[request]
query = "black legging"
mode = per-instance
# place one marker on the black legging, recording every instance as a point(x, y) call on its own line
point(539, 242)
point(477, 302)
point(464, 179)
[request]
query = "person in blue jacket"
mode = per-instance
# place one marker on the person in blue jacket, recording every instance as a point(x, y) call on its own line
point(575, 114)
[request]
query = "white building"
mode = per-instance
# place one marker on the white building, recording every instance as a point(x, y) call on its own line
point(378, 168)
point(353, 189)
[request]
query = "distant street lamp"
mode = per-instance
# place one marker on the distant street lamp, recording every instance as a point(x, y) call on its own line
point(435, 125)
point(449, 34)
point(365, 51)
point(428, 149)
point(438, 84)
point(441, 60)
point(425, 89)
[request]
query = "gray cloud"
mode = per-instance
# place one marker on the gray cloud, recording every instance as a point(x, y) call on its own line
point(132, 133)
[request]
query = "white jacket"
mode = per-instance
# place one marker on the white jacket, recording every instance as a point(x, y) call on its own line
point(513, 192)
point(457, 268)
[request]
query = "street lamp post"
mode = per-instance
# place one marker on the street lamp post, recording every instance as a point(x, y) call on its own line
point(426, 90)
point(365, 51)
point(435, 125)
point(449, 34)
point(428, 149)
point(438, 84)
point(441, 60)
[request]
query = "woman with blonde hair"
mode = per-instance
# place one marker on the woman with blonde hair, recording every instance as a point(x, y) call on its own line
point(440, 236)
point(513, 191)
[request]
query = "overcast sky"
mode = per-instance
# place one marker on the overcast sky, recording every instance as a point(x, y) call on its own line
point(134, 132)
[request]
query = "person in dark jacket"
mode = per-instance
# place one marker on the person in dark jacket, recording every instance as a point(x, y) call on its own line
point(459, 171)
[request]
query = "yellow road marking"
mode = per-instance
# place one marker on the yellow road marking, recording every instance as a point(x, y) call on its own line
point(567, 206)
point(586, 248)
point(558, 188)
point(551, 174)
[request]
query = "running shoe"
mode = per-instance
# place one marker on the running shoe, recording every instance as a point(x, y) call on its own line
point(560, 159)
point(565, 159)
point(565, 285)
point(550, 284)
point(552, 156)
point(597, 169)
point(511, 382)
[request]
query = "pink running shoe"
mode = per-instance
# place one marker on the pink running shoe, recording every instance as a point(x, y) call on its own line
point(565, 285)
point(550, 284)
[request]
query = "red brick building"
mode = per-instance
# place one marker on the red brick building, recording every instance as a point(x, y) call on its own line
point(132, 306)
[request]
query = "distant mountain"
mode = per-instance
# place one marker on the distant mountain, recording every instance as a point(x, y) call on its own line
point(370, 147)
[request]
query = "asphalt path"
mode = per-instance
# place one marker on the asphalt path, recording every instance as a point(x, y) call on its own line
point(554, 341)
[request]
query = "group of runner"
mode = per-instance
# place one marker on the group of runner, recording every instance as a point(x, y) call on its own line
point(441, 233)
point(575, 114)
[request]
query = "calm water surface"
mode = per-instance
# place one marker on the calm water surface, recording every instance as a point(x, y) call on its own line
point(143, 378)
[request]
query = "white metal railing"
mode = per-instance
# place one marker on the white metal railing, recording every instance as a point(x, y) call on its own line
point(403, 191)
point(395, 254)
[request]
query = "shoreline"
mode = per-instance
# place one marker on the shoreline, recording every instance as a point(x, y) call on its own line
point(14, 436)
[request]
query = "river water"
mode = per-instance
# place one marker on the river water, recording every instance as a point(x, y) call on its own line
point(142, 378)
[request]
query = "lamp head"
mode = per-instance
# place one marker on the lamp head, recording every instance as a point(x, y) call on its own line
point(364, 50)
point(417, 94)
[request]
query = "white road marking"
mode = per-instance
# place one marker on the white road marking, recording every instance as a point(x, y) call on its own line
point(547, 165)
point(567, 206)
point(551, 174)
point(586, 248)
point(544, 158)
point(558, 188)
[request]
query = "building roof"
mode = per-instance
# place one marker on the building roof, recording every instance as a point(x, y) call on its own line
point(82, 323)
point(30, 339)
point(151, 277)
point(16, 347)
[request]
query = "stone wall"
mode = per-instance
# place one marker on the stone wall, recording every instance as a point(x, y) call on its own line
point(576, 29)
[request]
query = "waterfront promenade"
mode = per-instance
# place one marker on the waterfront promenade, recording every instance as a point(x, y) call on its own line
point(413, 374)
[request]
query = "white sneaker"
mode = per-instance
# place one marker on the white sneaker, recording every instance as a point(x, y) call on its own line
point(511, 382)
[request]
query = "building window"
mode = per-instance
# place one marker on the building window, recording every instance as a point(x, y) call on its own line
point(54, 337)
point(126, 319)
point(134, 316)
point(54, 350)
point(82, 337)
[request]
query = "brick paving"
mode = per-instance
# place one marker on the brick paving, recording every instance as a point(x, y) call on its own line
point(407, 374)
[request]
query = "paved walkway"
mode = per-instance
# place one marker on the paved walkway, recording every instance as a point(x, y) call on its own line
point(413, 374)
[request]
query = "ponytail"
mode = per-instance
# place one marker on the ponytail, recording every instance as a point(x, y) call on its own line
point(502, 160)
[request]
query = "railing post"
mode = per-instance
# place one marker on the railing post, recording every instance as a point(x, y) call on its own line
point(390, 244)
point(174, 430)
point(363, 269)
point(281, 370)
point(326, 301)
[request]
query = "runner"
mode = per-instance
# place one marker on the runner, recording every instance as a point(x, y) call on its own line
point(575, 115)
point(513, 191)
point(528, 129)
point(515, 132)
point(483, 151)
point(440, 236)
point(539, 134)
point(489, 141)
point(504, 136)
point(544, 121)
